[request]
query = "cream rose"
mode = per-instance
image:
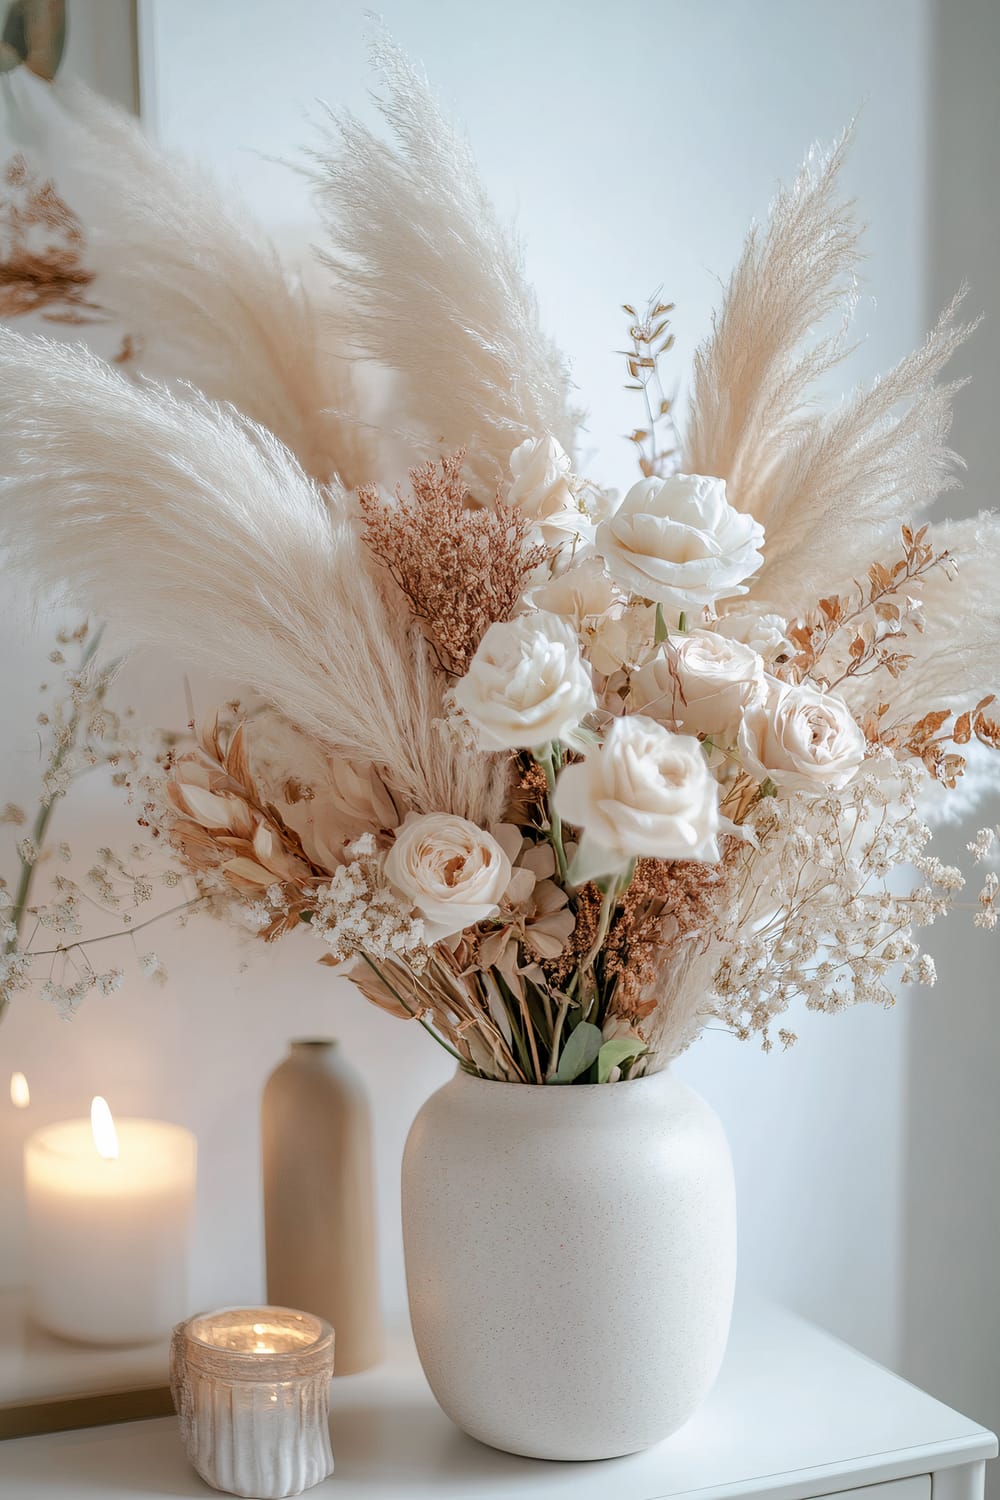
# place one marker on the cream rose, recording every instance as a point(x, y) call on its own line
point(453, 872)
point(701, 683)
point(679, 541)
point(801, 738)
point(584, 593)
point(541, 470)
point(527, 683)
point(645, 791)
point(762, 632)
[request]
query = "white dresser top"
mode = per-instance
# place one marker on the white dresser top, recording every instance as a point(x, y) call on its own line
point(795, 1413)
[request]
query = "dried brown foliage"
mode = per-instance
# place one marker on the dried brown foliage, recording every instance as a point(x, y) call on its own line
point(866, 627)
point(41, 251)
point(927, 739)
point(460, 568)
point(866, 623)
point(250, 845)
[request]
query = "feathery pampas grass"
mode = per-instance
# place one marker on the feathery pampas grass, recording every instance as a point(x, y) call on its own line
point(827, 489)
point(855, 476)
point(434, 281)
point(181, 522)
point(202, 293)
point(753, 374)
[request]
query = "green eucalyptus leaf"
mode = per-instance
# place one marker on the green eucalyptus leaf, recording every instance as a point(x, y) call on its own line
point(614, 1053)
point(582, 1046)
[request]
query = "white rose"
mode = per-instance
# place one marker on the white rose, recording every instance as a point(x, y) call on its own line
point(764, 633)
point(645, 791)
point(527, 683)
point(801, 738)
point(542, 490)
point(701, 683)
point(452, 872)
point(679, 541)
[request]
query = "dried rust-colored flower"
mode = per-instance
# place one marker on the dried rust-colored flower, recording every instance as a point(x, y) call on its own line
point(665, 903)
point(460, 568)
point(41, 251)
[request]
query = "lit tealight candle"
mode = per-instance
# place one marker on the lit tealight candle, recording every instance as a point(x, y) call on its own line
point(109, 1211)
point(251, 1386)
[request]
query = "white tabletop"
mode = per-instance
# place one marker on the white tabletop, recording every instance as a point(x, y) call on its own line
point(795, 1413)
point(36, 1369)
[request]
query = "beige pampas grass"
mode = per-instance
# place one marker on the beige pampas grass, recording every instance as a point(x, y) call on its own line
point(434, 281)
point(753, 374)
point(855, 476)
point(827, 489)
point(189, 527)
point(202, 293)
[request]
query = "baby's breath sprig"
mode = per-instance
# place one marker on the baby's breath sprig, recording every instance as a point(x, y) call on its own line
point(79, 732)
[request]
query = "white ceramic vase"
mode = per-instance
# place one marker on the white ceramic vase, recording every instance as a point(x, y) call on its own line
point(570, 1260)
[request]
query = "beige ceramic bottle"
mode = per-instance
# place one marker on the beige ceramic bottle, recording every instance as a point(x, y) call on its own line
point(319, 1210)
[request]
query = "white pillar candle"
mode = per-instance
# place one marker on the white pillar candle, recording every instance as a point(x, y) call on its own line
point(109, 1234)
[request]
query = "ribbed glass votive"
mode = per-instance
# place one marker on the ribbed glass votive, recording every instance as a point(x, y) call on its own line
point(252, 1390)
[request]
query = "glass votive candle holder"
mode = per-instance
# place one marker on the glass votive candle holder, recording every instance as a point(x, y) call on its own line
point(252, 1390)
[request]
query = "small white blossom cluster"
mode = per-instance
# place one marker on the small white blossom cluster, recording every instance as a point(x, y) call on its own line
point(359, 912)
point(815, 914)
point(985, 848)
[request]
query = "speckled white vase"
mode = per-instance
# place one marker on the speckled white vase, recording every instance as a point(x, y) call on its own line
point(570, 1260)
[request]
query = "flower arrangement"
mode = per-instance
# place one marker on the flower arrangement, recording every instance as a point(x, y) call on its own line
point(560, 774)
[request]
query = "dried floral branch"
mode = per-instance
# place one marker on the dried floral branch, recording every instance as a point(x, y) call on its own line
point(650, 341)
point(866, 624)
point(42, 246)
point(926, 739)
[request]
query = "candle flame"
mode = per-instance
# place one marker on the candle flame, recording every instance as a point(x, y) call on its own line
point(103, 1127)
point(20, 1094)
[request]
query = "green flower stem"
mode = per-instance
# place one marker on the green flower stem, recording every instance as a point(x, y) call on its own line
point(682, 623)
point(617, 886)
point(547, 760)
point(556, 1039)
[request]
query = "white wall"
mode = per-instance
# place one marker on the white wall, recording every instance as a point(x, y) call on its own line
point(952, 1229)
point(634, 142)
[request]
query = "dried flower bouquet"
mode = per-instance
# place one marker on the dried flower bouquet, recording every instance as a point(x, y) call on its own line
point(559, 774)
